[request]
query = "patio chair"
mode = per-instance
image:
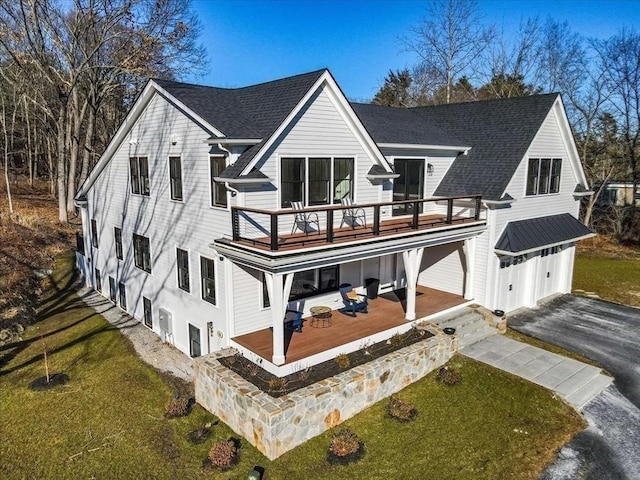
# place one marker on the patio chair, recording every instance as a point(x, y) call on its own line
point(353, 301)
point(351, 214)
point(293, 320)
point(304, 219)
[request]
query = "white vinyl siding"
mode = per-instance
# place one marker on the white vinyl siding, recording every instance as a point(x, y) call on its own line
point(192, 225)
point(442, 268)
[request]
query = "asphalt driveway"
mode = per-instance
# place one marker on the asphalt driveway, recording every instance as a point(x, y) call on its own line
point(609, 334)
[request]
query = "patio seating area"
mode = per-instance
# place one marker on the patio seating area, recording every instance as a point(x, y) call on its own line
point(384, 313)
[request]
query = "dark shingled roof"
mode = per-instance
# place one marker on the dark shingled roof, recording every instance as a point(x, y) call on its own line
point(249, 112)
point(499, 132)
point(401, 125)
point(535, 233)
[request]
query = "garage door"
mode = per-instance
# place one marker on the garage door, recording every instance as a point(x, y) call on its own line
point(550, 272)
point(513, 284)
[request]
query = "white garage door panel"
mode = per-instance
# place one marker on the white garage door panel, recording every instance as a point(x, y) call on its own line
point(513, 283)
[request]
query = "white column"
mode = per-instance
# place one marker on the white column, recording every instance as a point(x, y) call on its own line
point(278, 288)
point(469, 247)
point(412, 260)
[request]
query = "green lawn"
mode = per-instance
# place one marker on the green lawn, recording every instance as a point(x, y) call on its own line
point(107, 422)
point(613, 279)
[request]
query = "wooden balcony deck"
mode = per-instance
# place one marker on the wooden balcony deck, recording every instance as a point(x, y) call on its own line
point(385, 312)
point(289, 242)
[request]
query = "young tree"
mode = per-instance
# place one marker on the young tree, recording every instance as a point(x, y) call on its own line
point(450, 41)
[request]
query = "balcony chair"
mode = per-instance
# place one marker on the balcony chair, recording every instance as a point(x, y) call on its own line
point(351, 214)
point(304, 219)
point(293, 320)
point(353, 302)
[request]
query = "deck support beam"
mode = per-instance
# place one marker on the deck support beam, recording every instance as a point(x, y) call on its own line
point(279, 289)
point(412, 260)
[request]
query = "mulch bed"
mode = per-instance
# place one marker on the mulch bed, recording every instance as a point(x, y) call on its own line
point(277, 387)
point(55, 380)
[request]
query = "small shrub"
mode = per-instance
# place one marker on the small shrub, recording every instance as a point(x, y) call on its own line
point(253, 369)
point(224, 454)
point(177, 407)
point(304, 374)
point(277, 384)
point(449, 376)
point(396, 340)
point(199, 435)
point(401, 410)
point(343, 361)
point(345, 447)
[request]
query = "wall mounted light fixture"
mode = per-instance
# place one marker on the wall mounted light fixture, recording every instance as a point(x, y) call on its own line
point(429, 169)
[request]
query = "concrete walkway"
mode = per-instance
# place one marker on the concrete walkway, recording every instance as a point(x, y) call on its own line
point(576, 382)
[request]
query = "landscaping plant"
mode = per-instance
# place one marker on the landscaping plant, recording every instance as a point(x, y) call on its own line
point(400, 410)
point(224, 454)
point(345, 447)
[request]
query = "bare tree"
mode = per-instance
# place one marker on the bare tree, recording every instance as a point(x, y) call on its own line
point(449, 42)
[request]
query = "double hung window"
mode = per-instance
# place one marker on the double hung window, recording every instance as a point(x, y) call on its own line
point(182, 257)
point(117, 234)
point(139, 170)
point(142, 253)
point(208, 275)
point(175, 177)
point(217, 164)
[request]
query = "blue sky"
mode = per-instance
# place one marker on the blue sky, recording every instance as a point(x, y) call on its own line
point(253, 41)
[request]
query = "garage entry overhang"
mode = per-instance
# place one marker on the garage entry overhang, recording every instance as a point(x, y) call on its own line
point(526, 236)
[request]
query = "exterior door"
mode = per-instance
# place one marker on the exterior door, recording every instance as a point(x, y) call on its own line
point(194, 341)
point(409, 185)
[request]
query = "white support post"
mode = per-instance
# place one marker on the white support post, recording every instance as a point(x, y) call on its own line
point(412, 260)
point(278, 289)
point(469, 247)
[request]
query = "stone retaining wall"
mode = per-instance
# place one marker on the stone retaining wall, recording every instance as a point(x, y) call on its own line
point(276, 425)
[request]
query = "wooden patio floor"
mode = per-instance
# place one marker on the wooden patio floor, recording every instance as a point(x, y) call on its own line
point(385, 312)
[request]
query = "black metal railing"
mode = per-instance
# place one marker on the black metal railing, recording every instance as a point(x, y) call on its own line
point(414, 218)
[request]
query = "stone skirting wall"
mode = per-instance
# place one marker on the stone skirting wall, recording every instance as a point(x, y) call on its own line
point(276, 425)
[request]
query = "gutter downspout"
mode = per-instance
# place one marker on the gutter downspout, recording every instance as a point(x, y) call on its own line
point(233, 191)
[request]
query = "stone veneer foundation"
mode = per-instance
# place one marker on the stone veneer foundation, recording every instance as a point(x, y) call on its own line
point(276, 425)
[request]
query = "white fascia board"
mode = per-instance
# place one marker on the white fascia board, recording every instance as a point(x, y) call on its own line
point(550, 245)
point(410, 146)
point(138, 107)
point(243, 180)
point(498, 202)
point(583, 194)
point(354, 123)
point(567, 137)
point(346, 111)
point(283, 125)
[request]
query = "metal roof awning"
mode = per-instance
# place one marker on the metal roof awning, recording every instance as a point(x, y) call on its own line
point(525, 236)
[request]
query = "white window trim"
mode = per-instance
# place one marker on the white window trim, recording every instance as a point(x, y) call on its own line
point(306, 158)
point(133, 248)
point(148, 156)
point(169, 157)
point(215, 279)
point(190, 291)
point(211, 205)
point(526, 175)
point(121, 242)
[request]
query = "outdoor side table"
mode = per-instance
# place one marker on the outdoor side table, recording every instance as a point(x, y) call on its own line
point(320, 317)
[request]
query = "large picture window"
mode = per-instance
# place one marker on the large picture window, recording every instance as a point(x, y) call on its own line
point(208, 275)
point(543, 176)
point(308, 283)
point(315, 180)
point(217, 164)
point(139, 169)
point(183, 269)
point(142, 253)
point(175, 177)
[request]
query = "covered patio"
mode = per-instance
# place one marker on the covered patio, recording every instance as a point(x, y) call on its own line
point(385, 313)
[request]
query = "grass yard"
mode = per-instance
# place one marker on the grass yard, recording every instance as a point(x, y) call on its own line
point(107, 422)
point(611, 271)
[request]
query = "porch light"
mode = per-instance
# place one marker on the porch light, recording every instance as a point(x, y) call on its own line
point(429, 169)
point(174, 139)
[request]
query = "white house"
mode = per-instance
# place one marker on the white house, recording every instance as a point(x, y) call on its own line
point(189, 226)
